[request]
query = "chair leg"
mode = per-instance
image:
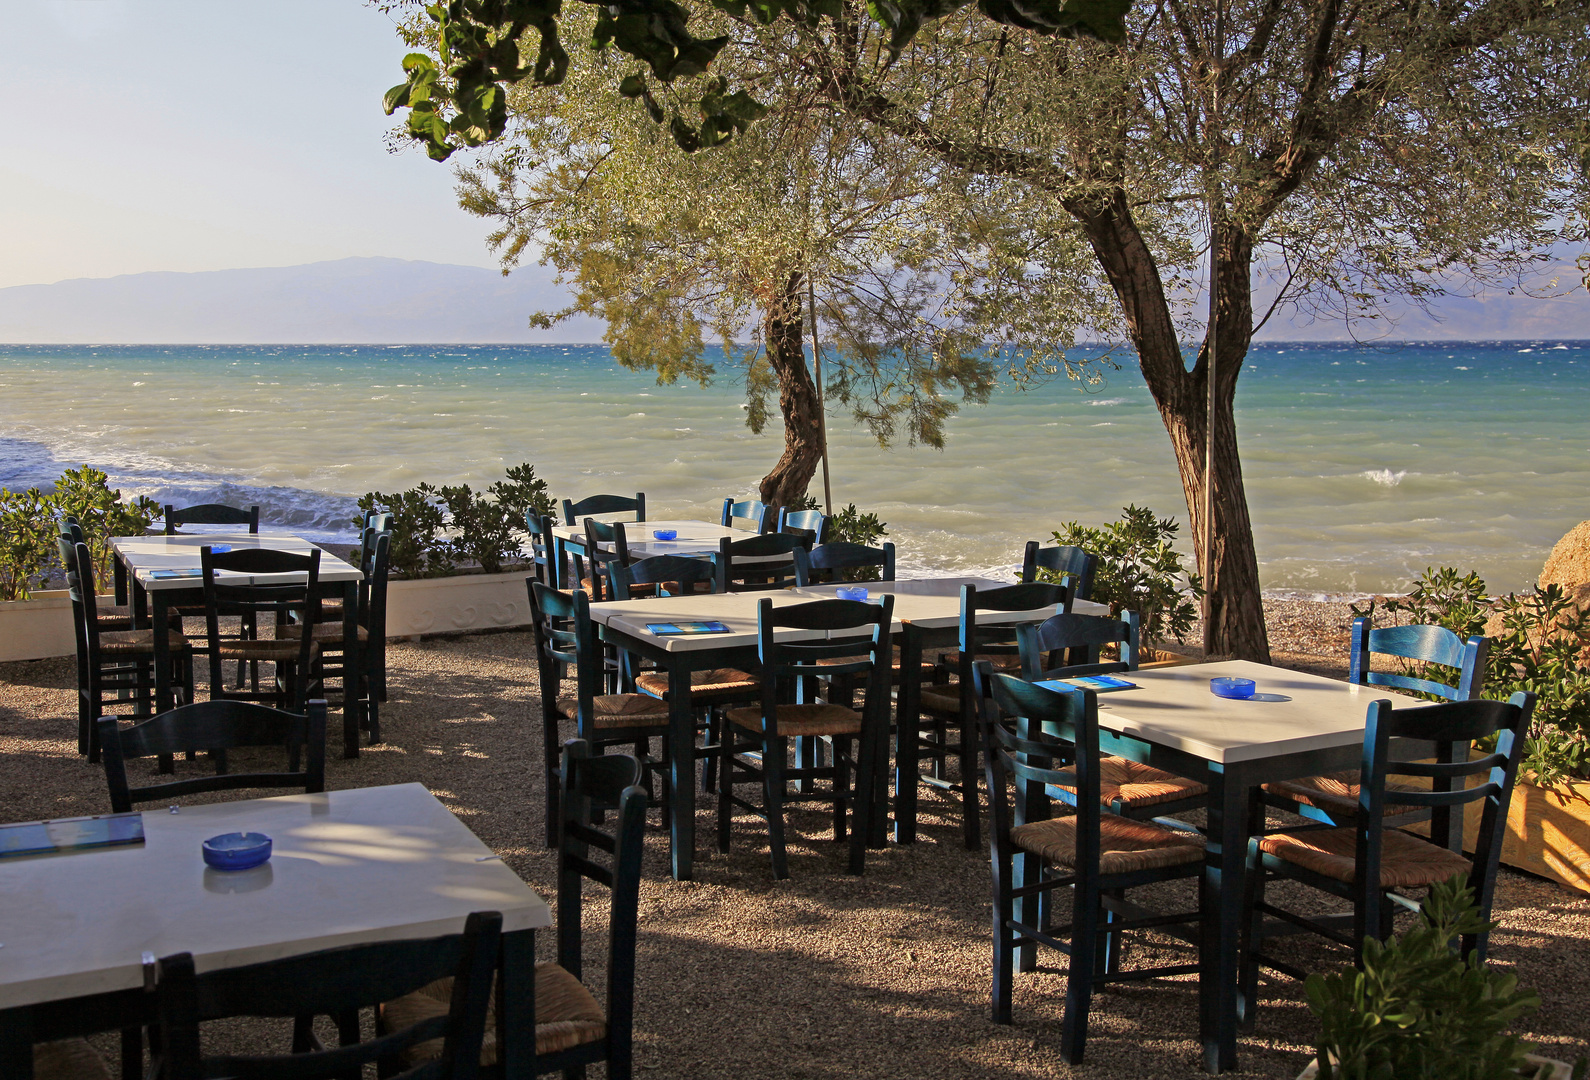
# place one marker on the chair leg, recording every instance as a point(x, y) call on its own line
point(774, 753)
point(842, 794)
point(1004, 951)
point(971, 833)
point(1252, 943)
point(1079, 977)
point(725, 784)
point(552, 760)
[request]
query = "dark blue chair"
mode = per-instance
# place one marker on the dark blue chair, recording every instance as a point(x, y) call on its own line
point(828, 562)
point(1076, 566)
point(755, 743)
point(1368, 863)
point(1047, 743)
point(211, 514)
point(757, 562)
point(575, 512)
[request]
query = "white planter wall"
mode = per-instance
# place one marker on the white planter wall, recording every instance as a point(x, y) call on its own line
point(445, 605)
point(38, 628)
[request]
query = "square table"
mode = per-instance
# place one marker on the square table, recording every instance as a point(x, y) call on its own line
point(150, 559)
point(696, 539)
point(927, 613)
point(1296, 725)
point(347, 867)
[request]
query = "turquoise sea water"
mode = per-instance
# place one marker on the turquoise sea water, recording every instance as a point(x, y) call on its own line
point(1364, 464)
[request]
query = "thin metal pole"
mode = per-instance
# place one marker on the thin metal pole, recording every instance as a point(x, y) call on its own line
point(822, 404)
point(1210, 411)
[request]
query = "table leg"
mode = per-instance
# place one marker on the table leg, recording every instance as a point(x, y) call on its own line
point(355, 707)
point(516, 1006)
point(163, 699)
point(905, 738)
point(682, 770)
point(16, 1043)
point(1221, 901)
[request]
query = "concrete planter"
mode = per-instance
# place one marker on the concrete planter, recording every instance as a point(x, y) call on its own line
point(450, 604)
point(1548, 832)
point(38, 628)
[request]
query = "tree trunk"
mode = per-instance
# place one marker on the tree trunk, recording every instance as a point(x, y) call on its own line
point(783, 335)
point(1231, 575)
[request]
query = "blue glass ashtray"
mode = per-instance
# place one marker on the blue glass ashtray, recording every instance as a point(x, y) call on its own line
point(665, 534)
point(856, 593)
point(220, 549)
point(237, 850)
point(1232, 688)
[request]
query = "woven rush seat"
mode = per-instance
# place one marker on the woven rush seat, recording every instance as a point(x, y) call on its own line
point(1334, 793)
point(1136, 784)
point(944, 699)
point(283, 649)
point(620, 710)
point(68, 1059)
point(928, 667)
point(324, 631)
point(704, 685)
point(802, 720)
point(1004, 663)
point(138, 642)
point(566, 1015)
point(1125, 845)
point(1406, 861)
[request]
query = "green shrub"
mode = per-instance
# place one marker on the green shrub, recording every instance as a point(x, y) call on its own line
point(1418, 1010)
point(27, 542)
point(30, 524)
point(1139, 570)
point(85, 494)
point(1541, 648)
point(435, 529)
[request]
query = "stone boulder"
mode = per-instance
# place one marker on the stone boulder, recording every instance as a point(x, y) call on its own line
point(1568, 565)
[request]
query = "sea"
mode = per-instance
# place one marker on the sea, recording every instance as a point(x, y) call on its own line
point(1364, 464)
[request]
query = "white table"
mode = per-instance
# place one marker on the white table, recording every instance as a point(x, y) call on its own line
point(150, 560)
point(347, 867)
point(1297, 725)
point(925, 612)
point(695, 539)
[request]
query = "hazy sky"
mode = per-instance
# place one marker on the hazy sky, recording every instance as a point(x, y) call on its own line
point(209, 134)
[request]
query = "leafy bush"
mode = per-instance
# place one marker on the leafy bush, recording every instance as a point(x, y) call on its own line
point(29, 525)
point(1541, 647)
point(85, 494)
point(1418, 1009)
point(1139, 570)
point(27, 542)
point(435, 529)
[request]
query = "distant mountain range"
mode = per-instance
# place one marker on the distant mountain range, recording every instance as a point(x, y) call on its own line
point(361, 300)
point(397, 301)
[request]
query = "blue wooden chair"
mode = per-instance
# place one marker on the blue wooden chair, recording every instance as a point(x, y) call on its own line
point(539, 528)
point(262, 605)
point(756, 740)
point(216, 726)
point(1047, 742)
point(566, 639)
point(809, 525)
point(572, 1028)
point(211, 514)
point(606, 544)
point(757, 562)
point(1371, 864)
point(1440, 654)
point(337, 983)
point(827, 563)
point(1076, 566)
point(575, 512)
point(1126, 787)
point(954, 705)
point(746, 514)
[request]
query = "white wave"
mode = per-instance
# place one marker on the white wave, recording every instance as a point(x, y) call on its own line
point(1384, 477)
point(1109, 401)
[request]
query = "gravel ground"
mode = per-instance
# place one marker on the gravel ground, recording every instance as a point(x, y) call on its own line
point(824, 975)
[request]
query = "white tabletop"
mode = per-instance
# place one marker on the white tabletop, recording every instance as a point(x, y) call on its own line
point(694, 537)
point(347, 867)
point(932, 603)
point(1291, 712)
point(146, 554)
